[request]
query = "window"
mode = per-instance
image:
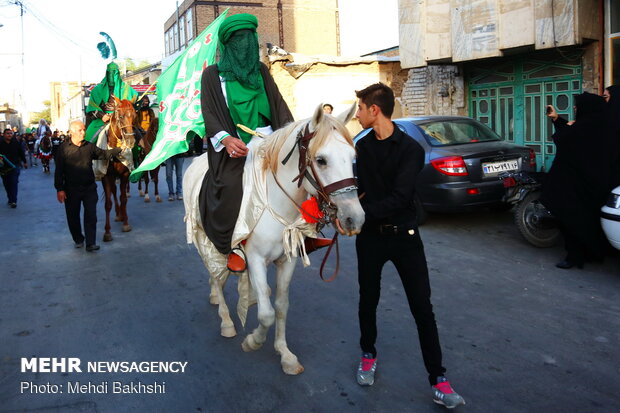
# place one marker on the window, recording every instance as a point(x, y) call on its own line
point(454, 132)
point(167, 43)
point(175, 37)
point(189, 32)
point(614, 16)
point(615, 60)
point(182, 31)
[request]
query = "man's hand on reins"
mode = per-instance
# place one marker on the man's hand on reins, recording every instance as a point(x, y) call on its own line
point(235, 147)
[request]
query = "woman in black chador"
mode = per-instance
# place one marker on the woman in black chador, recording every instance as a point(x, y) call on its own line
point(577, 184)
point(612, 96)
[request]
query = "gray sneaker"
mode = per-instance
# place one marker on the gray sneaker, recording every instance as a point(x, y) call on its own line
point(444, 394)
point(366, 370)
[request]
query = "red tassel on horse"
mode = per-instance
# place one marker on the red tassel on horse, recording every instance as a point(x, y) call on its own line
point(310, 211)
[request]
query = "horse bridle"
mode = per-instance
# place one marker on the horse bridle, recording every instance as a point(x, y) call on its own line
point(307, 170)
point(121, 127)
point(324, 192)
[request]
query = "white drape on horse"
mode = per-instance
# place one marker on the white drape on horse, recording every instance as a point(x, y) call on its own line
point(254, 203)
point(100, 167)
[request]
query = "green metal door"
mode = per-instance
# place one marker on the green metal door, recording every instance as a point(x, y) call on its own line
point(511, 98)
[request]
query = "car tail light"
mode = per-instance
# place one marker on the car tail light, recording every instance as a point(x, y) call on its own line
point(509, 182)
point(450, 165)
point(532, 159)
point(473, 191)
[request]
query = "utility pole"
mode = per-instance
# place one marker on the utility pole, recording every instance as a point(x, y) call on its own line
point(23, 99)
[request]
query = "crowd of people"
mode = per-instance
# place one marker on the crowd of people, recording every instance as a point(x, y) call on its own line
point(24, 150)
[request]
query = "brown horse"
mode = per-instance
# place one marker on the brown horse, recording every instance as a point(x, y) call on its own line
point(146, 144)
point(120, 134)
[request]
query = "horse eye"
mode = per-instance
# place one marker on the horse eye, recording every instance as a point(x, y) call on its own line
point(321, 161)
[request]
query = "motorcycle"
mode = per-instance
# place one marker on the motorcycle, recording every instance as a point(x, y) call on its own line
point(535, 223)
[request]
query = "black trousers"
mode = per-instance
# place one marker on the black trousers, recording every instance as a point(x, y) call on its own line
point(11, 182)
point(407, 253)
point(75, 198)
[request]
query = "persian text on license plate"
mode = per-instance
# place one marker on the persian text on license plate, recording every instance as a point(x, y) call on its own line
point(497, 167)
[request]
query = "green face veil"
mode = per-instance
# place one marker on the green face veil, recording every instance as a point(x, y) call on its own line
point(113, 83)
point(239, 65)
point(239, 59)
point(112, 73)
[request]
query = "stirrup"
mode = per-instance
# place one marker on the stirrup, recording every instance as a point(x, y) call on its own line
point(236, 260)
point(313, 244)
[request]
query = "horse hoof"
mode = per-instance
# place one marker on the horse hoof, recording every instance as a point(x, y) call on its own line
point(213, 300)
point(107, 237)
point(126, 228)
point(147, 199)
point(228, 332)
point(158, 198)
point(293, 368)
point(249, 344)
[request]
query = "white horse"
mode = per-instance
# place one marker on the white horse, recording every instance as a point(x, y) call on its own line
point(275, 230)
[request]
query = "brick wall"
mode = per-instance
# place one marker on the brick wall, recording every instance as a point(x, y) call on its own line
point(434, 90)
point(308, 26)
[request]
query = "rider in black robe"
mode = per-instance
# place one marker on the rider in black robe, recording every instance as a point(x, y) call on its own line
point(222, 189)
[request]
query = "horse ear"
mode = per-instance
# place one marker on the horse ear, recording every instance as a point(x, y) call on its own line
point(346, 116)
point(317, 117)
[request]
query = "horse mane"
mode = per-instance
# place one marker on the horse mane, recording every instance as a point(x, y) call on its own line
point(276, 140)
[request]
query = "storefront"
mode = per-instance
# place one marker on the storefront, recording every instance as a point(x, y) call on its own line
point(510, 96)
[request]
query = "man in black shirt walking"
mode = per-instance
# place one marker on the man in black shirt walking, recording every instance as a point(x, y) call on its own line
point(12, 150)
point(74, 180)
point(388, 162)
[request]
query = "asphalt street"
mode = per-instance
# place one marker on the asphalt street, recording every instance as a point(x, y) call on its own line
point(518, 334)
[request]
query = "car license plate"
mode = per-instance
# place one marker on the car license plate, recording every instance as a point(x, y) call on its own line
point(490, 168)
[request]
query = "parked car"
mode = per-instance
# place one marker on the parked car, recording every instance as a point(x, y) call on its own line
point(462, 163)
point(610, 218)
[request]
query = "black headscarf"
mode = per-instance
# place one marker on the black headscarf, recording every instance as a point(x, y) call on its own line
point(581, 168)
point(589, 106)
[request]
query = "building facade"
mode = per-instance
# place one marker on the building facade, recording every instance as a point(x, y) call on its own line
point(503, 61)
point(302, 26)
point(308, 81)
point(62, 112)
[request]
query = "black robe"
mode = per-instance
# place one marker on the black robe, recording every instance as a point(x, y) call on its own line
point(613, 110)
point(222, 188)
point(577, 184)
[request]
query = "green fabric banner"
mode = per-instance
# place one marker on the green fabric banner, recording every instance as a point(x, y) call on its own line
point(178, 92)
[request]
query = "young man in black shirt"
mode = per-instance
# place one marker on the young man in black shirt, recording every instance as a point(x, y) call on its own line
point(74, 180)
point(388, 162)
